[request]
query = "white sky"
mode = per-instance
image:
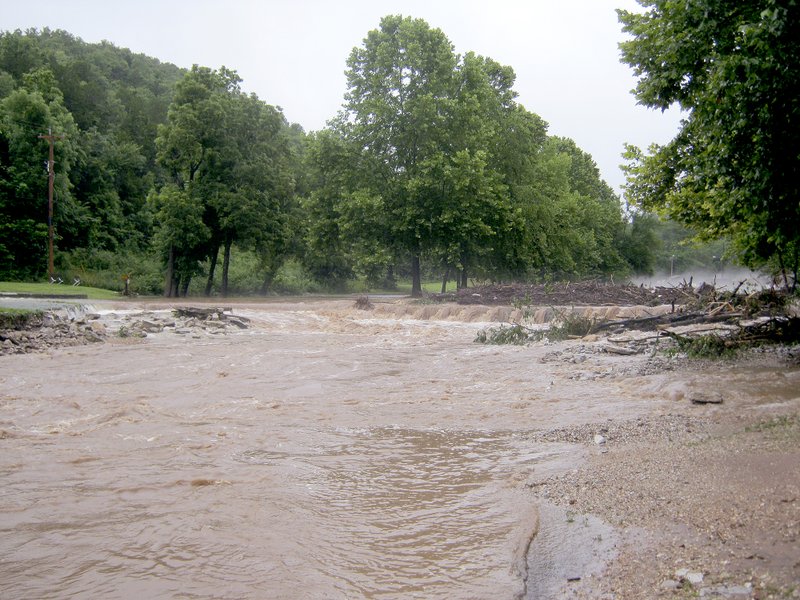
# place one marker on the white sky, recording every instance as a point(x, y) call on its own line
point(292, 53)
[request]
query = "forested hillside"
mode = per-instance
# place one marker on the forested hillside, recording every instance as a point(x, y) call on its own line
point(186, 184)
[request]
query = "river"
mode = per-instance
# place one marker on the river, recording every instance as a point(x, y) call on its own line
point(324, 452)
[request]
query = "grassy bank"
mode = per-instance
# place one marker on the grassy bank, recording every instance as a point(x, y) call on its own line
point(44, 289)
point(17, 318)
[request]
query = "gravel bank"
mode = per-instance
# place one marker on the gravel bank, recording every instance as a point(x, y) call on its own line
point(706, 503)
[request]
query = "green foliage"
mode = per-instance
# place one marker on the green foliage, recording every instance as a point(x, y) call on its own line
point(244, 278)
point(640, 245)
point(228, 156)
point(400, 94)
point(106, 269)
point(104, 103)
point(431, 168)
point(17, 318)
point(707, 346)
point(571, 324)
point(456, 171)
point(781, 423)
point(732, 170)
point(179, 213)
point(572, 221)
point(565, 325)
point(517, 335)
point(680, 250)
point(293, 279)
point(331, 164)
point(24, 115)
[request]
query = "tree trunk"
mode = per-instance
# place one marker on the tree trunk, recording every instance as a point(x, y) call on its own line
point(783, 271)
point(445, 279)
point(170, 274)
point(226, 261)
point(267, 283)
point(391, 282)
point(211, 268)
point(464, 279)
point(185, 286)
point(416, 283)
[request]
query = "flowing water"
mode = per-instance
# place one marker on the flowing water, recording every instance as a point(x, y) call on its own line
point(322, 453)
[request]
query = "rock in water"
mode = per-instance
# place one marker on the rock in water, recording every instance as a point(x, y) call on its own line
point(705, 398)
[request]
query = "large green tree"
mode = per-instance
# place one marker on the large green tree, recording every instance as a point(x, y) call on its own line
point(226, 152)
point(400, 91)
point(344, 232)
point(734, 167)
point(25, 114)
point(431, 126)
point(106, 102)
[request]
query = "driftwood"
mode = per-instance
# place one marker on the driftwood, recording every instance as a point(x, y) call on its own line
point(576, 293)
point(669, 320)
point(772, 330)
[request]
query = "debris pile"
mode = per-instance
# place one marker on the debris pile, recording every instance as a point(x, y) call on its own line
point(704, 322)
point(191, 321)
point(38, 331)
point(581, 293)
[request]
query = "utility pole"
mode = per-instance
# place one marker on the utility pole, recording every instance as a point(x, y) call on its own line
point(51, 178)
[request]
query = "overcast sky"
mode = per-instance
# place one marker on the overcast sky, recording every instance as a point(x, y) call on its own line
point(292, 53)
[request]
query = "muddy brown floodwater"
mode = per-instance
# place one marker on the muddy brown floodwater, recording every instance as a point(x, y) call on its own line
point(324, 452)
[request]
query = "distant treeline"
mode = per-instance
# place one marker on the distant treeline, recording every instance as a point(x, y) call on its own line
point(430, 170)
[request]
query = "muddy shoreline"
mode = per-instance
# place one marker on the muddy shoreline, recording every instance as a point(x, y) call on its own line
point(650, 488)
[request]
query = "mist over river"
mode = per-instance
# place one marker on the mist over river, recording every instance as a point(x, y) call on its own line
point(324, 452)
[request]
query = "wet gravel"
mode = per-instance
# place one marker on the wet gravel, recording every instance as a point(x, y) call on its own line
point(707, 507)
point(643, 429)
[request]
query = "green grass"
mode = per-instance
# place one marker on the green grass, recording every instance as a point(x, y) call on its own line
point(7, 310)
point(779, 422)
point(19, 287)
point(282, 287)
point(13, 318)
point(429, 287)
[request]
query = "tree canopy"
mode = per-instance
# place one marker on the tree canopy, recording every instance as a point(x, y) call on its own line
point(431, 169)
point(105, 103)
point(460, 171)
point(227, 154)
point(734, 167)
